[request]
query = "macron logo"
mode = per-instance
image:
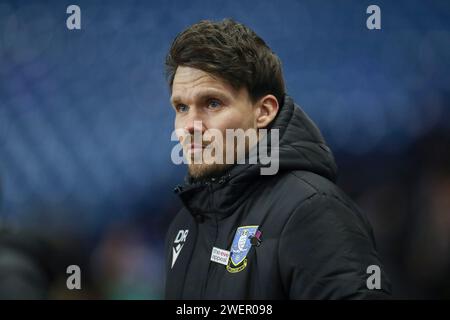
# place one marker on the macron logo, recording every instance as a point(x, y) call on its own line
point(178, 245)
point(175, 252)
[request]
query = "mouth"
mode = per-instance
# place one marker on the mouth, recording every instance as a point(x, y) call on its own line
point(196, 147)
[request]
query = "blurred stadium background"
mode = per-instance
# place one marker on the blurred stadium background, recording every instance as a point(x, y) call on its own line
point(85, 125)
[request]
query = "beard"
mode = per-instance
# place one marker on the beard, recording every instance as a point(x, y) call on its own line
point(203, 170)
point(206, 171)
point(215, 167)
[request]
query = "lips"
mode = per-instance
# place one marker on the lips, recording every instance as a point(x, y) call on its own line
point(189, 145)
point(195, 147)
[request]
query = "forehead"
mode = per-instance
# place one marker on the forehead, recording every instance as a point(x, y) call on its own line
point(189, 82)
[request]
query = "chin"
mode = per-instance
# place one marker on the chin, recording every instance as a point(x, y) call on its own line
point(206, 171)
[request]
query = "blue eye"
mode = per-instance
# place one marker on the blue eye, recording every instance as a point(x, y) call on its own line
point(214, 104)
point(182, 108)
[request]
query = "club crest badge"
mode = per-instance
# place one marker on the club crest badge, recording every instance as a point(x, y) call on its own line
point(240, 247)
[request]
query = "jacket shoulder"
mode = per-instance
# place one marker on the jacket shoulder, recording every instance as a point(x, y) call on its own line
point(322, 186)
point(324, 193)
point(315, 182)
point(327, 244)
point(283, 194)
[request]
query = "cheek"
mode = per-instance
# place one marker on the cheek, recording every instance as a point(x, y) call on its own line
point(179, 130)
point(177, 123)
point(246, 116)
point(233, 119)
point(244, 120)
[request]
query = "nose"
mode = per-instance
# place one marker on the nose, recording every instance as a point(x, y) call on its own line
point(195, 124)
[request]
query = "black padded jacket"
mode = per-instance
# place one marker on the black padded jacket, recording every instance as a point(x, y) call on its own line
point(313, 242)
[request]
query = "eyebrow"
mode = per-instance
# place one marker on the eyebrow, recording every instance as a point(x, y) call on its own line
point(202, 95)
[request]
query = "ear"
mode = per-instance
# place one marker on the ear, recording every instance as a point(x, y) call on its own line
point(267, 110)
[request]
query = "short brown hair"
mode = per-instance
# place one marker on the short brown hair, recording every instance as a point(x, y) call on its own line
point(230, 51)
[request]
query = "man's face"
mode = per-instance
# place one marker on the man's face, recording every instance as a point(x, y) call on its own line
point(198, 96)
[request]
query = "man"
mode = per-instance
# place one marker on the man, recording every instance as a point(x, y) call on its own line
point(246, 235)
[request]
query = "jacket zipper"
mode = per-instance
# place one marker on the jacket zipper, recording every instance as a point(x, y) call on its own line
point(211, 266)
